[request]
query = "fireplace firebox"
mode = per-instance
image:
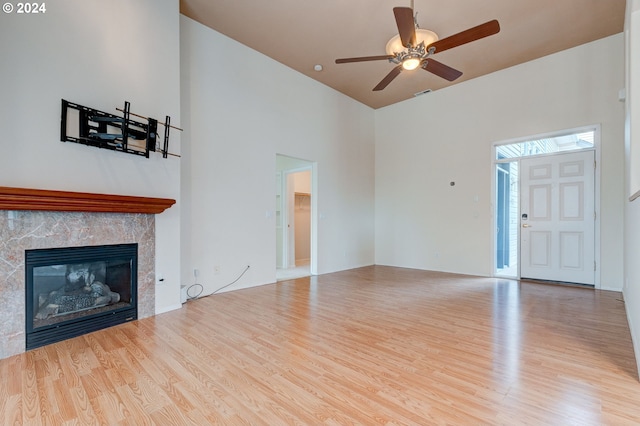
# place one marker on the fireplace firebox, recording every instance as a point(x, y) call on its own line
point(71, 291)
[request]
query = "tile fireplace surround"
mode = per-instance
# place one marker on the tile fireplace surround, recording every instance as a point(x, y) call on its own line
point(36, 219)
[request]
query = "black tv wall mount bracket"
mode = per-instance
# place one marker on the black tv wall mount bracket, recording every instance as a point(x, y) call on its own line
point(109, 131)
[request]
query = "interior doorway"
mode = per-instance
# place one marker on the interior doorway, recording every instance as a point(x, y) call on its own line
point(295, 218)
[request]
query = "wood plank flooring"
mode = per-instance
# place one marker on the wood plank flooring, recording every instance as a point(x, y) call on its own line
point(375, 345)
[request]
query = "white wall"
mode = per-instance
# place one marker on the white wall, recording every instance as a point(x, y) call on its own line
point(632, 212)
point(98, 54)
point(423, 222)
point(243, 109)
point(302, 215)
point(302, 182)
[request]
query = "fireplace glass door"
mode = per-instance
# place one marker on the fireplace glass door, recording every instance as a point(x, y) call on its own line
point(75, 290)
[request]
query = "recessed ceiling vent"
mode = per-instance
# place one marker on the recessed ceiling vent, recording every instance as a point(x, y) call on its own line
point(424, 92)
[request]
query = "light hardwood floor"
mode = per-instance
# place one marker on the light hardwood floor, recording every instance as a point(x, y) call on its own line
point(375, 345)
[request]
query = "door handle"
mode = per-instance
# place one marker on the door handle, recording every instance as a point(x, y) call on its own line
point(526, 225)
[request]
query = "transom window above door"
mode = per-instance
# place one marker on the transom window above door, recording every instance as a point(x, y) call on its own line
point(569, 142)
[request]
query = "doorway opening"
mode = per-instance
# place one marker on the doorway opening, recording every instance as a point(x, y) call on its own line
point(296, 224)
point(545, 207)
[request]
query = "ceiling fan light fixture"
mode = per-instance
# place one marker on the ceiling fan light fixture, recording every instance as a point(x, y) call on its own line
point(411, 63)
point(395, 44)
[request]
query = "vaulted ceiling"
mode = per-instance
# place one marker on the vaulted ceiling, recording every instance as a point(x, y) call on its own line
point(302, 34)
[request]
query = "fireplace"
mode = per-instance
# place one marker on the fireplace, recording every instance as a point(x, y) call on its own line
point(35, 219)
point(71, 291)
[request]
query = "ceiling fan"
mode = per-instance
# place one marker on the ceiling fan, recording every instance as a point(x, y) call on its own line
point(412, 47)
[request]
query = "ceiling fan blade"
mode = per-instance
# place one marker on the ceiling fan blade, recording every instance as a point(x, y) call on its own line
point(363, 59)
point(467, 36)
point(406, 25)
point(388, 79)
point(442, 70)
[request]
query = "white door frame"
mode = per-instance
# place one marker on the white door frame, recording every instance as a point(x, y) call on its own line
point(494, 162)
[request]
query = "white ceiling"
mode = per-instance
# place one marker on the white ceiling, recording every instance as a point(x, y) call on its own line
point(301, 34)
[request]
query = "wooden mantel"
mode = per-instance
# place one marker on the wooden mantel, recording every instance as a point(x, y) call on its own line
point(64, 201)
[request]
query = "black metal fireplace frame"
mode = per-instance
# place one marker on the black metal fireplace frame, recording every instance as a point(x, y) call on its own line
point(41, 336)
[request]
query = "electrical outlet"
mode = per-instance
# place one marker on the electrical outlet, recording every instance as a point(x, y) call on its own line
point(216, 269)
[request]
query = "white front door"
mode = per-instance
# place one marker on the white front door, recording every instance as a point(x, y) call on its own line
point(557, 218)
